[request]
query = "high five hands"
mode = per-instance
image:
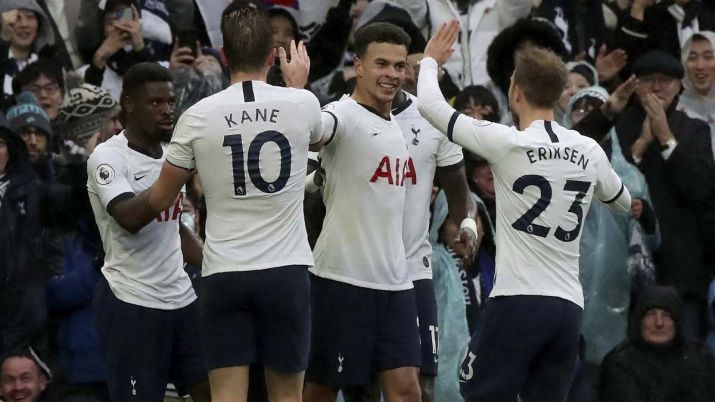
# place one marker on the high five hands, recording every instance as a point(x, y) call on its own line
point(440, 44)
point(295, 71)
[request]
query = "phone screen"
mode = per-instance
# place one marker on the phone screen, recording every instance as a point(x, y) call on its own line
point(125, 14)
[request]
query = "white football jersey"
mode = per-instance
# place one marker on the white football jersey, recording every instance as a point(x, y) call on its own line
point(249, 144)
point(429, 149)
point(366, 165)
point(544, 178)
point(146, 268)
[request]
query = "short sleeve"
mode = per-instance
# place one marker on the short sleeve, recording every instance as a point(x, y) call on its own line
point(107, 175)
point(315, 118)
point(489, 140)
point(330, 124)
point(181, 149)
point(609, 187)
point(449, 153)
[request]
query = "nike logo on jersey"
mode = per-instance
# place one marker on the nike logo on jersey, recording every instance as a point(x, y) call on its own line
point(137, 178)
point(374, 134)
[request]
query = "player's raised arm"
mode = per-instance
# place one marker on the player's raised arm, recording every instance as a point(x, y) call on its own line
point(481, 137)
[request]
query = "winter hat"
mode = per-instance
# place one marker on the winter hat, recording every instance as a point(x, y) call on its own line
point(27, 113)
point(658, 61)
point(84, 111)
point(661, 297)
point(584, 69)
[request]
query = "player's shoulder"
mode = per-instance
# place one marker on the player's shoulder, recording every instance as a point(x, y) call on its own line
point(298, 95)
point(112, 149)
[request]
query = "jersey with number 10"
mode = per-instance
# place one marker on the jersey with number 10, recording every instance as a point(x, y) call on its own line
point(249, 144)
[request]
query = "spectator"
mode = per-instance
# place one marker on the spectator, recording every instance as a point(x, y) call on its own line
point(661, 25)
point(45, 80)
point(500, 56)
point(195, 77)
point(673, 152)
point(451, 312)
point(122, 47)
point(698, 97)
point(22, 269)
point(30, 37)
point(478, 102)
point(604, 275)
point(486, 19)
point(655, 363)
point(580, 24)
point(88, 117)
point(30, 122)
point(581, 75)
point(24, 377)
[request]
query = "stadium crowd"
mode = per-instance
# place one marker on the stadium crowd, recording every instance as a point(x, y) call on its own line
point(641, 83)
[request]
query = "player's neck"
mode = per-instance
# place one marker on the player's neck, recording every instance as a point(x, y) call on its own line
point(364, 98)
point(527, 117)
point(241, 76)
point(141, 141)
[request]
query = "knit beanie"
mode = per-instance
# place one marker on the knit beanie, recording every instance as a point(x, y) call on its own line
point(84, 111)
point(28, 113)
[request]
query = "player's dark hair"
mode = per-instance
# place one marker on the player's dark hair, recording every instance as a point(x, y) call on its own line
point(380, 32)
point(541, 75)
point(33, 71)
point(137, 77)
point(247, 37)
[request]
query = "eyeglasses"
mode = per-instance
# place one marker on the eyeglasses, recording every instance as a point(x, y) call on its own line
point(49, 89)
point(663, 80)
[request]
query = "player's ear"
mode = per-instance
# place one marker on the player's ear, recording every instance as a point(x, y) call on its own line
point(357, 63)
point(127, 104)
point(272, 57)
point(224, 60)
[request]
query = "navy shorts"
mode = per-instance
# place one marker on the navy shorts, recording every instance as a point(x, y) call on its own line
point(523, 345)
point(260, 316)
point(429, 327)
point(146, 348)
point(359, 332)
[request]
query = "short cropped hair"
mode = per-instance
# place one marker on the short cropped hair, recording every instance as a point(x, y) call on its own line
point(137, 77)
point(380, 32)
point(247, 37)
point(33, 71)
point(541, 75)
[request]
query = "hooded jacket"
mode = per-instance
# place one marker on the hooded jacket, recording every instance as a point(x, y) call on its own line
point(691, 102)
point(45, 34)
point(637, 371)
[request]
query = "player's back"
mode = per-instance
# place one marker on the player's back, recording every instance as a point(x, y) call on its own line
point(544, 183)
point(251, 143)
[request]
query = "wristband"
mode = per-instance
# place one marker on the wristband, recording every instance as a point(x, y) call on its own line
point(310, 185)
point(469, 223)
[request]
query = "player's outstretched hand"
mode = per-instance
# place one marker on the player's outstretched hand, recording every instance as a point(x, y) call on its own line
point(295, 72)
point(440, 44)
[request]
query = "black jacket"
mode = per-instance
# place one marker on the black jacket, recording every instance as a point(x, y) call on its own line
point(638, 372)
point(659, 29)
point(679, 187)
point(29, 210)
